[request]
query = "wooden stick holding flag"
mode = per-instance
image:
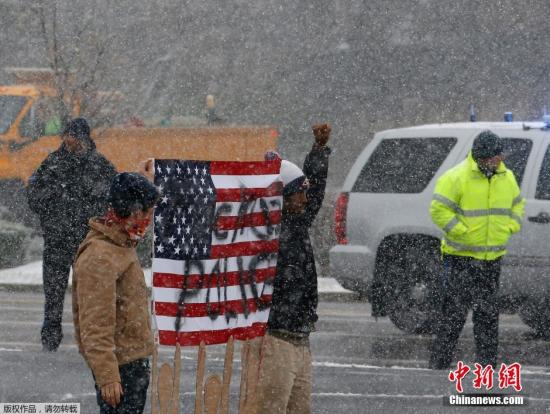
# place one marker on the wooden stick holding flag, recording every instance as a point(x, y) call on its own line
point(227, 372)
point(199, 382)
point(245, 352)
point(154, 382)
point(212, 393)
point(175, 401)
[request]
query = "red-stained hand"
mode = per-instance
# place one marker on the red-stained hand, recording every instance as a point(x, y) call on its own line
point(321, 132)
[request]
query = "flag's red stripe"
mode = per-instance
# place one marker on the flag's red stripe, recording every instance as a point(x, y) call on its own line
point(245, 168)
point(226, 195)
point(170, 280)
point(244, 249)
point(198, 310)
point(212, 337)
point(248, 220)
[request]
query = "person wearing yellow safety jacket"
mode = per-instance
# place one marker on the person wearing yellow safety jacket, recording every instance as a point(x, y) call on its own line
point(478, 206)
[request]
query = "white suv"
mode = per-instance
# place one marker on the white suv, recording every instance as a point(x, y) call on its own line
point(388, 247)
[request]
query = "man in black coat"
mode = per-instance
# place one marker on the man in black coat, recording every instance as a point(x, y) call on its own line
point(285, 370)
point(67, 189)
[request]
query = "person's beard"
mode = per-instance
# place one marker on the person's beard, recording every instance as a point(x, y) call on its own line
point(487, 170)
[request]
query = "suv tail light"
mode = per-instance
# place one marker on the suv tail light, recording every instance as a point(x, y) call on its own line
point(340, 215)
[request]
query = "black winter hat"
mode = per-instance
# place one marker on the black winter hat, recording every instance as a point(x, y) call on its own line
point(487, 145)
point(131, 192)
point(77, 128)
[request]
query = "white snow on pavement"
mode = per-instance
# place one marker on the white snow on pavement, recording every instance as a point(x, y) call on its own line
point(31, 274)
point(363, 366)
point(355, 395)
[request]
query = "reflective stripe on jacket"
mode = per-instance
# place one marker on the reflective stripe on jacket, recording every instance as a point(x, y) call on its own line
point(477, 215)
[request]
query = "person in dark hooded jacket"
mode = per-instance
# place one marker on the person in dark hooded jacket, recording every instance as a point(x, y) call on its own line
point(67, 189)
point(285, 367)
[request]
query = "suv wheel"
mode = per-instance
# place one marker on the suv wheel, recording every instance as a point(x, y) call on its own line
point(411, 273)
point(536, 315)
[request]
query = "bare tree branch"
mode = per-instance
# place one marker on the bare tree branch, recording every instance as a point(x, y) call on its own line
point(78, 57)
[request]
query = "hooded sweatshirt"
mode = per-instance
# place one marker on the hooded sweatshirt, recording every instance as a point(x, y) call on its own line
point(294, 303)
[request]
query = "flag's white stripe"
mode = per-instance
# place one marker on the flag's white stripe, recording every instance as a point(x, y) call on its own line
point(246, 181)
point(246, 234)
point(242, 235)
point(273, 204)
point(178, 266)
point(171, 295)
point(205, 323)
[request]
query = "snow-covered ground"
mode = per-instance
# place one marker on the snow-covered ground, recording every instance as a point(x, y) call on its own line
point(31, 274)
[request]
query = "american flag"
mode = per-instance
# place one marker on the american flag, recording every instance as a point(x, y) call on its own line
point(216, 230)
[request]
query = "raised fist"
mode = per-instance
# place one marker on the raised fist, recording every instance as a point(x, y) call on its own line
point(321, 132)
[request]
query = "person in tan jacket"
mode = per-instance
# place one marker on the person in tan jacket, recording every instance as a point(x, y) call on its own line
point(110, 303)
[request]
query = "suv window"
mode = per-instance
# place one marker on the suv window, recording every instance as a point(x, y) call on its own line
point(517, 152)
point(543, 183)
point(403, 165)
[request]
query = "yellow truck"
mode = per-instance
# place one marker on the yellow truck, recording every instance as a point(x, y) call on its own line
point(24, 143)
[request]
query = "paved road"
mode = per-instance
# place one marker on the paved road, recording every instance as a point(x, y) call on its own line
point(360, 365)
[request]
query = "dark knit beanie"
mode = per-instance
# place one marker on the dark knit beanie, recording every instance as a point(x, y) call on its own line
point(131, 192)
point(78, 128)
point(487, 145)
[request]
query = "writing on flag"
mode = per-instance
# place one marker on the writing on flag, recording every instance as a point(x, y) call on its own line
point(216, 229)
